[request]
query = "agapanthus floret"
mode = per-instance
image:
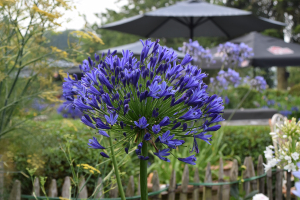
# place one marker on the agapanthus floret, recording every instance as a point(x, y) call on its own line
point(142, 124)
point(93, 143)
point(104, 155)
point(189, 160)
point(155, 98)
point(162, 153)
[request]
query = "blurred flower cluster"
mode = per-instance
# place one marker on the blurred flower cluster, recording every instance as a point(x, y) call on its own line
point(153, 101)
point(224, 79)
point(231, 78)
point(234, 54)
point(285, 152)
point(258, 83)
point(199, 53)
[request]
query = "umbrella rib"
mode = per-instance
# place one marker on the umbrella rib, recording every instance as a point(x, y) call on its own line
point(200, 21)
point(160, 25)
point(219, 27)
point(178, 20)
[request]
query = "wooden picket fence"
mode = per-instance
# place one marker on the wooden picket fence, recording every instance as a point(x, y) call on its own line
point(188, 189)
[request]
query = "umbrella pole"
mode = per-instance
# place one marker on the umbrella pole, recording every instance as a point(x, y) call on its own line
point(192, 28)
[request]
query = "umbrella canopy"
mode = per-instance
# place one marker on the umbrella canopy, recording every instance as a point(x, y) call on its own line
point(268, 51)
point(135, 48)
point(193, 18)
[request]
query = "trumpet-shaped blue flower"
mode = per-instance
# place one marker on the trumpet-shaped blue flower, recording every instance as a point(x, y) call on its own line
point(104, 155)
point(189, 160)
point(93, 143)
point(193, 113)
point(103, 133)
point(156, 128)
point(162, 153)
point(142, 124)
point(112, 119)
point(165, 121)
point(147, 136)
point(100, 124)
point(87, 121)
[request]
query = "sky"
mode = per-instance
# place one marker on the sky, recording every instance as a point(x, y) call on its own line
point(87, 7)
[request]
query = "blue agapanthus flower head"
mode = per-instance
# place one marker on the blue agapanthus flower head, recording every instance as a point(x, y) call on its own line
point(154, 99)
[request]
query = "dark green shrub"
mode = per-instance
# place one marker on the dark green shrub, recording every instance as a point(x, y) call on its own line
point(243, 141)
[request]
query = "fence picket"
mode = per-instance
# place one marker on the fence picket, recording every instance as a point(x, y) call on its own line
point(260, 171)
point(269, 184)
point(99, 188)
point(114, 192)
point(246, 174)
point(172, 187)
point(15, 193)
point(66, 188)
point(278, 186)
point(184, 183)
point(207, 190)
point(53, 189)
point(233, 177)
point(288, 185)
point(1, 179)
point(130, 187)
point(138, 188)
point(220, 179)
point(83, 194)
point(155, 184)
point(36, 187)
point(196, 187)
point(252, 174)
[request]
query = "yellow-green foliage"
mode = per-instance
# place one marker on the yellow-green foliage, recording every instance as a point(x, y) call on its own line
point(295, 90)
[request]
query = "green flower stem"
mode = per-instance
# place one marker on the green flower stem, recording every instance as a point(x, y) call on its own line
point(143, 173)
point(113, 158)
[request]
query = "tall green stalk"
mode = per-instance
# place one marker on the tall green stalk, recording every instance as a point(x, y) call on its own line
point(113, 158)
point(143, 173)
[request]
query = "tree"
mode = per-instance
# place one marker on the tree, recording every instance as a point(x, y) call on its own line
point(25, 71)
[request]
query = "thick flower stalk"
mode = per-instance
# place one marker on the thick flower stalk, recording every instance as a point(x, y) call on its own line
point(151, 103)
point(285, 153)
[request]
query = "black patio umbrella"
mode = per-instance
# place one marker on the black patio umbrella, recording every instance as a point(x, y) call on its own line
point(135, 48)
point(268, 51)
point(192, 19)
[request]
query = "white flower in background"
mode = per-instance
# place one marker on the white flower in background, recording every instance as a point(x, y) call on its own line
point(288, 158)
point(295, 156)
point(268, 153)
point(290, 167)
point(267, 166)
point(273, 134)
point(271, 146)
point(260, 197)
point(271, 163)
point(284, 136)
